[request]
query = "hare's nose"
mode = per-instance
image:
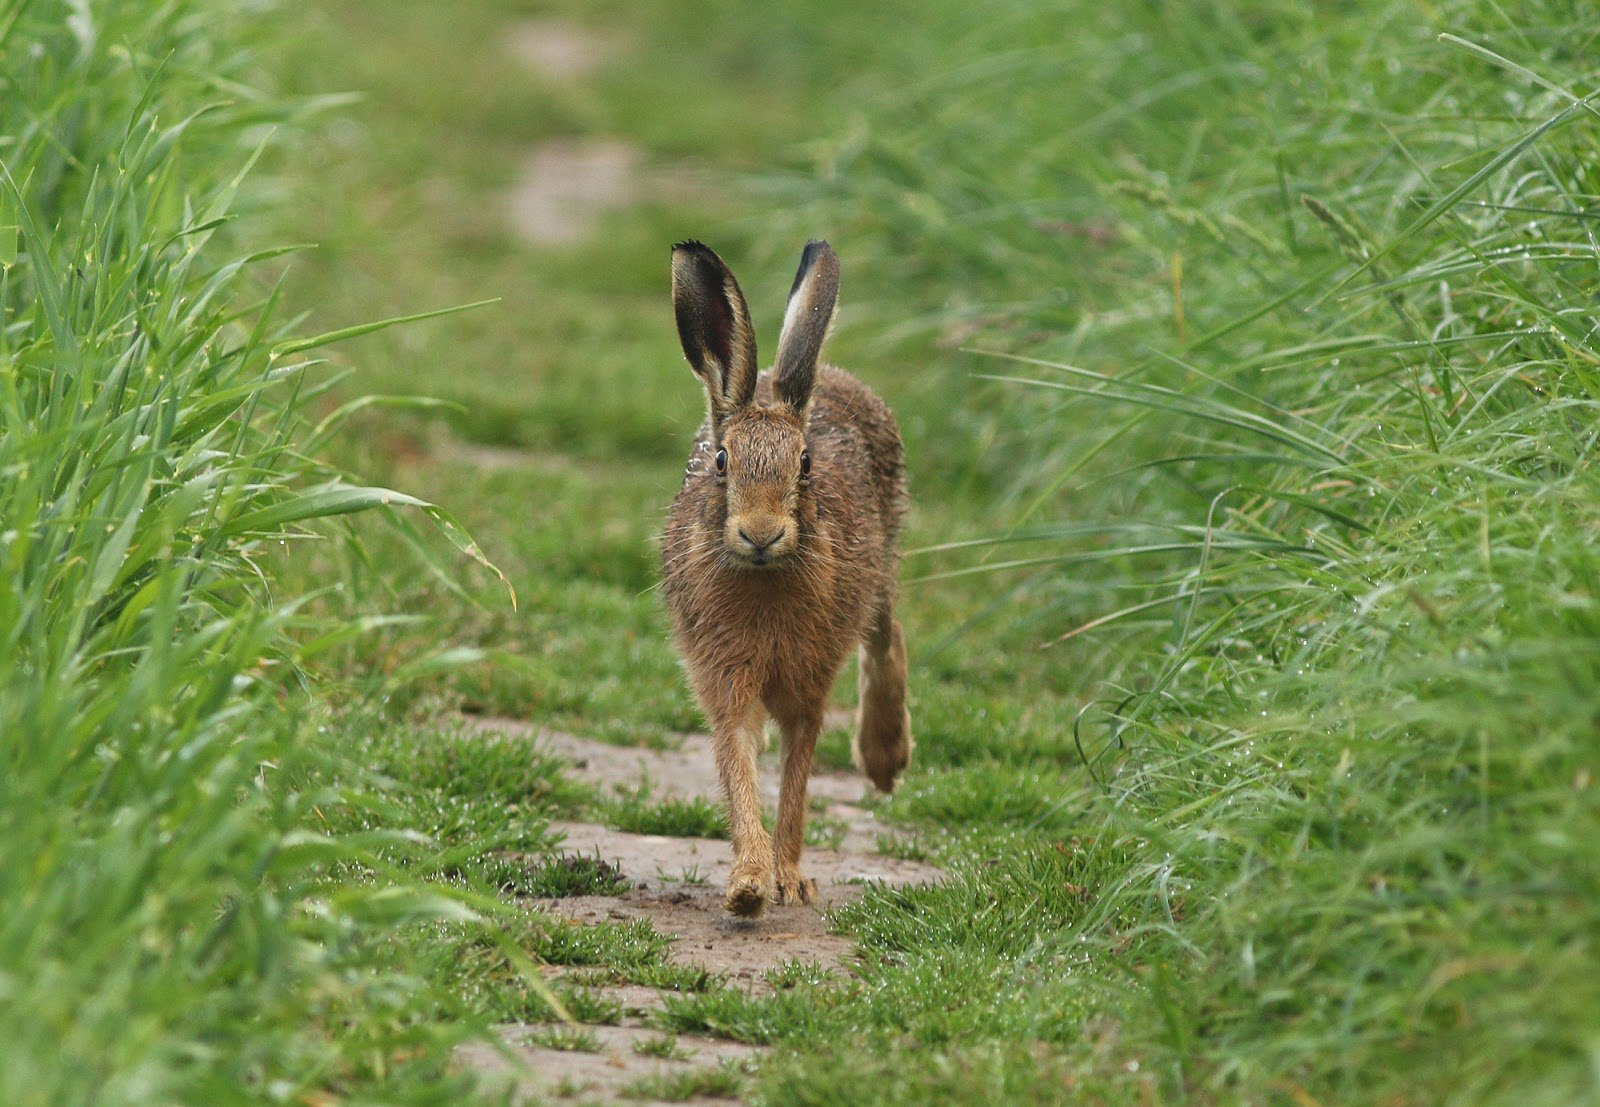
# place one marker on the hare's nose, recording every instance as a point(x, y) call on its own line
point(761, 543)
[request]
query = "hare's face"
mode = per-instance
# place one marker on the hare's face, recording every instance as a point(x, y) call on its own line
point(763, 473)
point(766, 472)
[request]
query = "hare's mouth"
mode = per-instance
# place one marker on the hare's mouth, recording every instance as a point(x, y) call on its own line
point(761, 560)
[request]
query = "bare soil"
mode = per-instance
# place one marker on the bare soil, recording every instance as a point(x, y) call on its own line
point(678, 883)
point(600, 1077)
point(558, 50)
point(567, 184)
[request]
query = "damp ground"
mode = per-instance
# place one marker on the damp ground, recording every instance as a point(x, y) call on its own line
point(676, 884)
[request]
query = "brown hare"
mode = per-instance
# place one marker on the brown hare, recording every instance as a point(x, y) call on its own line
point(780, 555)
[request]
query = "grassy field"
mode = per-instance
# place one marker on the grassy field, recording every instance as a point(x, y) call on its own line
point(1246, 361)
point(170, 931)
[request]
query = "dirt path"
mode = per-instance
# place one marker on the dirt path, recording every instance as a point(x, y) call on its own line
point(604, 1076)
point(677, 884)
point(567, 185)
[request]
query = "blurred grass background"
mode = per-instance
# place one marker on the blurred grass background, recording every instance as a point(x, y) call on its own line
point(1246, 360)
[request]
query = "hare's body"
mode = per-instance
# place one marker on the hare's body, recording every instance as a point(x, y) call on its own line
point(791, 626)
point(780, 556)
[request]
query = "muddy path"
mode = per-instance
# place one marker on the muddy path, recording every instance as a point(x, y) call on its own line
point(677, 883)
point(568, 184)
point(566, 188)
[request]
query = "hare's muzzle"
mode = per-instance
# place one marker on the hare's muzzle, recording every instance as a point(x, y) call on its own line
point(760, 542)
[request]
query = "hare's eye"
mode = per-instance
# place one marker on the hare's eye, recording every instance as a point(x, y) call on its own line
point(722, 461)
point(805, 463)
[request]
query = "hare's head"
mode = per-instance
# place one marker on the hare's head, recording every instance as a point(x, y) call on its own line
point(762, 497)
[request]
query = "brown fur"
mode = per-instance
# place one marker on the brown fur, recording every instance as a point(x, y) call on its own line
point(772, 578)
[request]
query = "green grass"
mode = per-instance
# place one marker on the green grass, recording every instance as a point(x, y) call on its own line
point(632, 810)
point(723, 1083)
point(664, 1046)
point(170, 930)
point(1246, 365)
point(1251, 619)
point(795, 972)
point(1343, 506)
point(567, 875)
point(566, 1039)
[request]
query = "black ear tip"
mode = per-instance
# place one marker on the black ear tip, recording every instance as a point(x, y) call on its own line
point(817, 251)
point(693, 246)
point(815, 248)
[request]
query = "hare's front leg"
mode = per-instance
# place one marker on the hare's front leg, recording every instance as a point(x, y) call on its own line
point(801, 724)
point(736, 738)
point(883, 725)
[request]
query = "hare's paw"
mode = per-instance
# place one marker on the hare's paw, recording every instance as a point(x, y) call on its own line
point(749, 889)
point(883, 746)
point(794, 888)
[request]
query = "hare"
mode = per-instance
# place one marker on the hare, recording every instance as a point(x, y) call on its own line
point(780, 555)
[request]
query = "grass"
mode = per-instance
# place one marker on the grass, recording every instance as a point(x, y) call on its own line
point(632, 810)
point(723, 1083)
point(794, 972)
point(1341, 395)
point(1242, 363)
point(566, 1040)
point(567, 875)
point(825, 832)
point(664, 1046)
point(165, 884)
point(1245, 361)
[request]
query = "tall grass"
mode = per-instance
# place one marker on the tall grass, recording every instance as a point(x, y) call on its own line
point(166, 934)
point(1296, 316)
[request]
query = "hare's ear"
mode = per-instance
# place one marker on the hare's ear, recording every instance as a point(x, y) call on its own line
point(714, 326)
point(805, 325)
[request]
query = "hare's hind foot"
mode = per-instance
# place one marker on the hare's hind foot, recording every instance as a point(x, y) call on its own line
point(883, 744)
point(883, 748)
point(750, 889)
point(794, 889)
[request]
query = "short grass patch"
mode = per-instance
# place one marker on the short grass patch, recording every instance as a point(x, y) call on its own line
point(566, 1039)
point(795, 972)
point(622, 945)
point(733, 1014)
point(725, 1081)
point(664, 1046)
point(567, 874)
point(634, 811)
point(825, 832)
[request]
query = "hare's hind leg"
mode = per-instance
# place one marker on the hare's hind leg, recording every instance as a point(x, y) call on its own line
point(883, 725)
point(736, 740)
point(801, 723)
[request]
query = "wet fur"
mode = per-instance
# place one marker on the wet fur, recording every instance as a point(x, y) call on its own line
point(768, 639)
